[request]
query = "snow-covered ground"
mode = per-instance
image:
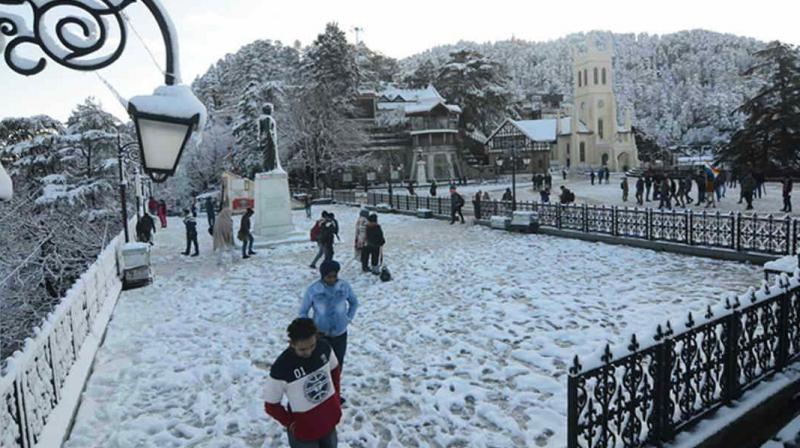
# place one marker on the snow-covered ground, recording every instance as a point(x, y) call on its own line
point(611, 194)
point(468, 346)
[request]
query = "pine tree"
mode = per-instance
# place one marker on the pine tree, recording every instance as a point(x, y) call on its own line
point(423, 75)
point(770, 139)
point(479, 85)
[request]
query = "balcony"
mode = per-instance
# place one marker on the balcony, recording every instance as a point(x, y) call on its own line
point(425, 124)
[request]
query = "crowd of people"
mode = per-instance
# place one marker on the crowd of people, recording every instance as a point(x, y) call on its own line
point(709, 188)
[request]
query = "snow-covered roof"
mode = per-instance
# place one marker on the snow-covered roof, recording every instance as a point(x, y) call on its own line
point(537, 130)
point(410, 95)
point(413, 101)
point(622, 130)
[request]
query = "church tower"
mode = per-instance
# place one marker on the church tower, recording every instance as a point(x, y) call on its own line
point(595, 108)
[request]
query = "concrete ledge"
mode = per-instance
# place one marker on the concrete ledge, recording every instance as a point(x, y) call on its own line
point(751, 420)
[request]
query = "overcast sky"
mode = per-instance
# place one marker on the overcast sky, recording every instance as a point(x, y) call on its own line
point(208, 29)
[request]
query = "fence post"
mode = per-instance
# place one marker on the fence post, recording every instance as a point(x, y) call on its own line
point(558, 215)
point(689, 227)
point(739, 231)
point(649, 221)
point(731, 391)
point(585, 218)
point(794, 236)
point(572, 410)
point(661, 387)
point(783, 329)
point(19, 402)
point(614, 211)
point(788, 224)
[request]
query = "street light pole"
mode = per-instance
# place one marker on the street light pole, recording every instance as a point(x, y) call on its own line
point(123, 184)
point(514, 177)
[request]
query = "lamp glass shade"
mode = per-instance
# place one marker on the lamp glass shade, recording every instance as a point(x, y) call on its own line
point(161, 143)
point(499, 162)
point(6, 187)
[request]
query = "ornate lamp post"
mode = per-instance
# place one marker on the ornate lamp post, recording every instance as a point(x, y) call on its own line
point(75, 34)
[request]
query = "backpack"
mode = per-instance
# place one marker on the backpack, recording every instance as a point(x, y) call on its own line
point(385, 275)
point(315, 231)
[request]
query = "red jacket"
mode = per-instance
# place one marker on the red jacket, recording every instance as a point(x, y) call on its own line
point(312, 388)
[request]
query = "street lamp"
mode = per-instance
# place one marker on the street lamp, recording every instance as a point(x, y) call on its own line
point(78, 38)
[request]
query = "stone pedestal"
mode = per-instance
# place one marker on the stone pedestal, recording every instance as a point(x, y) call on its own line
point(422, 177)
point(273, 213)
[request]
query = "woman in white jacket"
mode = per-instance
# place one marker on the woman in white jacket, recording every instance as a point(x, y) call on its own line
point(361, 232)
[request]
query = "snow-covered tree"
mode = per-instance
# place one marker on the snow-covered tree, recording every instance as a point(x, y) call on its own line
point(479, 85)
point(770, 138)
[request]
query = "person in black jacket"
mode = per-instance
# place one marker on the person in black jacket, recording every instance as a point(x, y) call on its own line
point(433, 188)
point(245, 235)
point(374, 243)
point(145, 229)
point(210, 212)
point(456, 202)
point(191, 232)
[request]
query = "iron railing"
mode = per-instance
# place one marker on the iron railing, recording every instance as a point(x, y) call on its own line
point(733, 231)
point(345, 197)
point(649, 394)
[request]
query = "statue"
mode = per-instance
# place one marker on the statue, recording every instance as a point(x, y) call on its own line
point(268, 139)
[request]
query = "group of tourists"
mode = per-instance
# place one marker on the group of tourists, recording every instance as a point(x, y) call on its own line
point(308, 372)
point(602, 173)
point(710, 188)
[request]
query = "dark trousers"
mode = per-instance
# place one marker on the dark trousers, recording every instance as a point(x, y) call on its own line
point(368, 252)
point(211, 220)
point(328, 251)
point(191, 239)
point(647, 196)
point(477, 206)
point(787, 203)
point(748, 197)
point(339, 346)
point(247, 244)
point(454, 212)
point(329, 441)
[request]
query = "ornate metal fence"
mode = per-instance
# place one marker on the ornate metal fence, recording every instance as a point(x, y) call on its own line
point(33, 386)
point(651, 393)
point(345, 197)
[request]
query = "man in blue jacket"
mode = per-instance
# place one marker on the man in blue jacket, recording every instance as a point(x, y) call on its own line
point(334, 305)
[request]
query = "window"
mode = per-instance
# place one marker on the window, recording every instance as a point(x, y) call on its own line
point(595, 76)
point(567, 149)
point(580, 80)
point(604, 76)
point(600, 127)
point(583, 152)
point(585, 77)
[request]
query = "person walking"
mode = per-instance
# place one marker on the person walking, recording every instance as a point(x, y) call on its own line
point(145, 229)
point(663, 194)
point(334, 306)
point(152, 206)
point(544, 195)
point(190, 223)
point(608, 175)
point(648, 183)
point(316, 230)
point(591, 175)
point(374, 245)
point(456, 203)
point(624, 186)
point(564, 174)
point(308, 374)
point(162, 213)
point(476, 204)
point(223, 234)
point(323, 234)
point(639, 191)
point(687, 189)
point(211, 213)
point(433, 188)
point(681, 194)
point(548, 180)
point(507, 195)
point(361, 233)
point(710, 191)
point(194, 206)
point(787, 194)
point(748, 184)
point(246, 235)
point(411, 188)
point(701, 188)
point(307, 204)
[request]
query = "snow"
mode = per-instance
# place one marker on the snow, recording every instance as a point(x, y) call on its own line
point(469, 345)
point(789, 435)
point(788, 264)
point(538, 130)
point(176, 101)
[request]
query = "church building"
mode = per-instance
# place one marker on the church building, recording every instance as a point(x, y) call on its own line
point(591, 137)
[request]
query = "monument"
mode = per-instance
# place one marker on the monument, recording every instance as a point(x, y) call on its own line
point(422, 175)
point(273, 211)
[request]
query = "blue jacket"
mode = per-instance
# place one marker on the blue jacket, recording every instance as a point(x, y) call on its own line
point(334, 306)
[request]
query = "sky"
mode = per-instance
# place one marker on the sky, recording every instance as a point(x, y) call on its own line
point(209, 29)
